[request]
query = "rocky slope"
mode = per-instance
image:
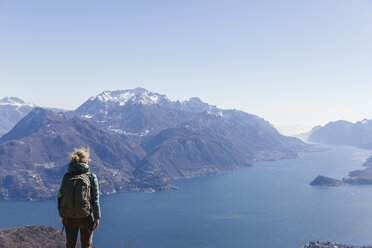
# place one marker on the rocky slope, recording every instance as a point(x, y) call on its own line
point(32, 237)
point(181, 152)
point(326, 182)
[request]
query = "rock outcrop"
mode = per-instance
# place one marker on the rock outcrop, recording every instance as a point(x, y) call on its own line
point(323, 181)
point(327, 244)
point(357, 177)
point(32, 237)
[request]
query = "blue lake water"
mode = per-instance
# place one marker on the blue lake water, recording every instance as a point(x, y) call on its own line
point(268, 205)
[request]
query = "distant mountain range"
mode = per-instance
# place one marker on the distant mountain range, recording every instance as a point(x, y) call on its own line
point(12, 110)
point(139, 141)
point(341, 132)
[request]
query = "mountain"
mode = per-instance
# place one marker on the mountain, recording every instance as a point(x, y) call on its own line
point(252, 136)
point(357, 134)
point(135, 112)
point(195, 105)
point(140, 113)
point(212, 144)
point(12, 110)
point(34, 155)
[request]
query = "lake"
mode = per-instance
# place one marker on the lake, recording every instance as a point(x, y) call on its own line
point(268, 205)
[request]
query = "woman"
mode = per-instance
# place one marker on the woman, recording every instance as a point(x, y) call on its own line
point(78, 199)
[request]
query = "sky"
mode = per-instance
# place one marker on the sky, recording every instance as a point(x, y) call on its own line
point(296, 63)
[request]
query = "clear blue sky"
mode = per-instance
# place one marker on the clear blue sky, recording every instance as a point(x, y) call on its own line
point(291, 62)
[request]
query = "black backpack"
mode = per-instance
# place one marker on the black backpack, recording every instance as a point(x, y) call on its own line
point(76, 196)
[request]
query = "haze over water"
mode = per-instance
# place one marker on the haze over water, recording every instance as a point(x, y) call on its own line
point(268, 205)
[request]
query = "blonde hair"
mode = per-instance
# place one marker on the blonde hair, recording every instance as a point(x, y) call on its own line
point(80, 155)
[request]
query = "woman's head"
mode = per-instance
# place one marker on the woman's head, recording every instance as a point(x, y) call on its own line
point(80, 155)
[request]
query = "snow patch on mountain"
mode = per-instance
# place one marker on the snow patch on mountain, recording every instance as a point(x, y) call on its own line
point(120, 131)
point(365, 121)
point(137, 95)
point(13, 101)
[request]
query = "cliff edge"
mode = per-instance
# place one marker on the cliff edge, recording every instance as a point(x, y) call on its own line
point(32, 237)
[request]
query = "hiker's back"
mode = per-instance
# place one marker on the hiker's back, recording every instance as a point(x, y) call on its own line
point(76, 197)
point(78, 200)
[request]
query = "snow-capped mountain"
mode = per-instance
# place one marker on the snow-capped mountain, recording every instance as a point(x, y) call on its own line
point(137, 95)
point(195, 105)
point(14, 101)
point(136, 112)
point(139, 112)
point(12, 110)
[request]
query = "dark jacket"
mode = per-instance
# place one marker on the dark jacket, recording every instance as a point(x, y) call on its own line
point(80, 168)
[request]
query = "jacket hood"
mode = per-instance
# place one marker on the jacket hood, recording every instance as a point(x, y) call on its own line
point(78, 168)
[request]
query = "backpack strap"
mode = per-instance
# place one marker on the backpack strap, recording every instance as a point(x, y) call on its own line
point(89, 174)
